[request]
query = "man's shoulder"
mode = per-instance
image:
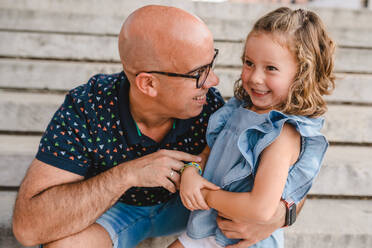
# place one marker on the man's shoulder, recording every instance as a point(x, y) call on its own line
point(99, 86)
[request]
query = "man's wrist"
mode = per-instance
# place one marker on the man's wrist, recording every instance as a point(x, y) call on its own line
point(127, 172)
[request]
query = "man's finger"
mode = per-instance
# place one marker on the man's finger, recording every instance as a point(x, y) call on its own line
point(228, 230)
point(182, 156)
point(224, 217)
point(226, 225)
point(242, 244)
point(169, 185)
point(175, 178)
point(232, 234)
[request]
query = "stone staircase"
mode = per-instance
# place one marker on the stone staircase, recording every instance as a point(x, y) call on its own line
point(48, 47)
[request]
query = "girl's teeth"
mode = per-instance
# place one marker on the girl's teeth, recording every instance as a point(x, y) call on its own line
point(260, 91)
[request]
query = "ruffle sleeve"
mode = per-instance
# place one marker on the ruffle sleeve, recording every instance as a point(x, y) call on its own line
point(313, 148)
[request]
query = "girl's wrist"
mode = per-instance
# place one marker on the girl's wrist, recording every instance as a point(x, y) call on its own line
point(194, 165)
point(190, 168)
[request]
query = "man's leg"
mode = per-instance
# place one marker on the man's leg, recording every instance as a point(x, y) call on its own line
point(170, 219)
point(95, 236)
point(127, 225)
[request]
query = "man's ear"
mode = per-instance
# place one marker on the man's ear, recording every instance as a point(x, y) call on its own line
point(147, 84)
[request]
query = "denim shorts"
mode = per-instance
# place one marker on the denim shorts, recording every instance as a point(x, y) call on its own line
point(128, 225)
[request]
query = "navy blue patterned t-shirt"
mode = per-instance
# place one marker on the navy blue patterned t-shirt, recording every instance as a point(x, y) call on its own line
point(94, 131)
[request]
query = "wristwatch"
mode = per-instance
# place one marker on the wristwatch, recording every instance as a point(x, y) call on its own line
point(290, 212)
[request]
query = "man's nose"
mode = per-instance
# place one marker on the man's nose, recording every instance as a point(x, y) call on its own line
point(212, 80)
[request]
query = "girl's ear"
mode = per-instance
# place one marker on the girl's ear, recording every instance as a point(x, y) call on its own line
point(147, 84)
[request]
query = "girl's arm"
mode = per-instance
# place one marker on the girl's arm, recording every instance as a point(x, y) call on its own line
point(261, 203)
point(192, 183)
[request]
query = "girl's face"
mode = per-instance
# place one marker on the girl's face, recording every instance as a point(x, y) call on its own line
point(268, 70)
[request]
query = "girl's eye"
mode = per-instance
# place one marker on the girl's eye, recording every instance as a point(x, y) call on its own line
point(248, 63)
point(272, 68)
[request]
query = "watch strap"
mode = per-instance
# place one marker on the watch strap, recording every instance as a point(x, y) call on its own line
point(290, 212)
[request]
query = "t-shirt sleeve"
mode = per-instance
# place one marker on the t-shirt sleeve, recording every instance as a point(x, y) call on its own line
point(65, 142)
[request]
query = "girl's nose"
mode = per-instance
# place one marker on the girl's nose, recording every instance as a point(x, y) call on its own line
point(257, 77)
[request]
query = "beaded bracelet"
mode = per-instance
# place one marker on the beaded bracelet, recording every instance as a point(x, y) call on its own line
point(193, 164)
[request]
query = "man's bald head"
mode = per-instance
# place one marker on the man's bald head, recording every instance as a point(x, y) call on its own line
point(160, 38)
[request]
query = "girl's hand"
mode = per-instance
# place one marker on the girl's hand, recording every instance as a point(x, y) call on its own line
point(190, 189)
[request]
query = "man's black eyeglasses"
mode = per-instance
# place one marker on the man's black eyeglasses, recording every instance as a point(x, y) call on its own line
point(200, 76)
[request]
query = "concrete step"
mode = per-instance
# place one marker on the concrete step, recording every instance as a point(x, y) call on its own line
point(322, 223)
point(332, 223)
point(104, 48)
point(344, 25)
point(16, 154)
point(346, 171)
point(53, 75)
point(27, 111)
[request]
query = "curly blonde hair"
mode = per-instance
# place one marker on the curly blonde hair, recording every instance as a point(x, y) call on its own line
point(304, 34)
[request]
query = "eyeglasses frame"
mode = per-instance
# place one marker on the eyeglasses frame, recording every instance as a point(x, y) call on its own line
point(172, 74)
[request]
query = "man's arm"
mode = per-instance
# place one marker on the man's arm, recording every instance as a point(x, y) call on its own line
point(251, 232)
point(53, 203)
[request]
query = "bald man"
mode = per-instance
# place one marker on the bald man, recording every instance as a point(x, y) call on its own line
point(106, 172)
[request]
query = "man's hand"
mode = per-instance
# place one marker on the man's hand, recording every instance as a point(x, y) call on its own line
point(160, 169)
point(250, 232)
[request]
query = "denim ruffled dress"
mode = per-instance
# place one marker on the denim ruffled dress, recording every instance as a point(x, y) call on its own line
point(237, 136)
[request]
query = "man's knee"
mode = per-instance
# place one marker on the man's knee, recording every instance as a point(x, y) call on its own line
point(93, 236)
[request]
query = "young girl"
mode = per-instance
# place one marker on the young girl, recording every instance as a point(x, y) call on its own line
point(265, 142)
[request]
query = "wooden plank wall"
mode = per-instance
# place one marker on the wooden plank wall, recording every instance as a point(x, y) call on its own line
point(48, 47)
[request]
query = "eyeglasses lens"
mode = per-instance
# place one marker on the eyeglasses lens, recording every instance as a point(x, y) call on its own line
point(204, 74)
